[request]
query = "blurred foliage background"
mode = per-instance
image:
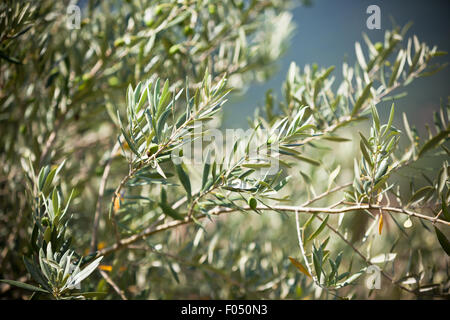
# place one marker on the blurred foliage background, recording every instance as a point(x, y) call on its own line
point(61, 88)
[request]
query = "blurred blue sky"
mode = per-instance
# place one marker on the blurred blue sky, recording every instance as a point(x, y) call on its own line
point(325, 34)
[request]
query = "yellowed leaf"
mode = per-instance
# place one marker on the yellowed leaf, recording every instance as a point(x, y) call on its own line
point(117, 201)
point(300, 266)
point(380, 223)
point(101, 245)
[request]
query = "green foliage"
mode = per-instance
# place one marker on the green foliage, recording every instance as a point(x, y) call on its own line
point(118, 103)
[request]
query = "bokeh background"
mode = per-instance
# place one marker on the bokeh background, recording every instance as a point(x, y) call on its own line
point(325, 34)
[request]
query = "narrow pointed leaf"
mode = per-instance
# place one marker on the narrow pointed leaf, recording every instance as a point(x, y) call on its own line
point(300, 267)
point(24, 285)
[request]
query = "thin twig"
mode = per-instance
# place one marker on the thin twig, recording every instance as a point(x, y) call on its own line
point(326, 193)
point(220, 210)
point(367, 261)
point(113, 285)
point(152, 158)
point(302, 250)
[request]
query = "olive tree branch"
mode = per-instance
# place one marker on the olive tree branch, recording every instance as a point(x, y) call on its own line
point(113, 285)
point(123, 243)
point(147, 161)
